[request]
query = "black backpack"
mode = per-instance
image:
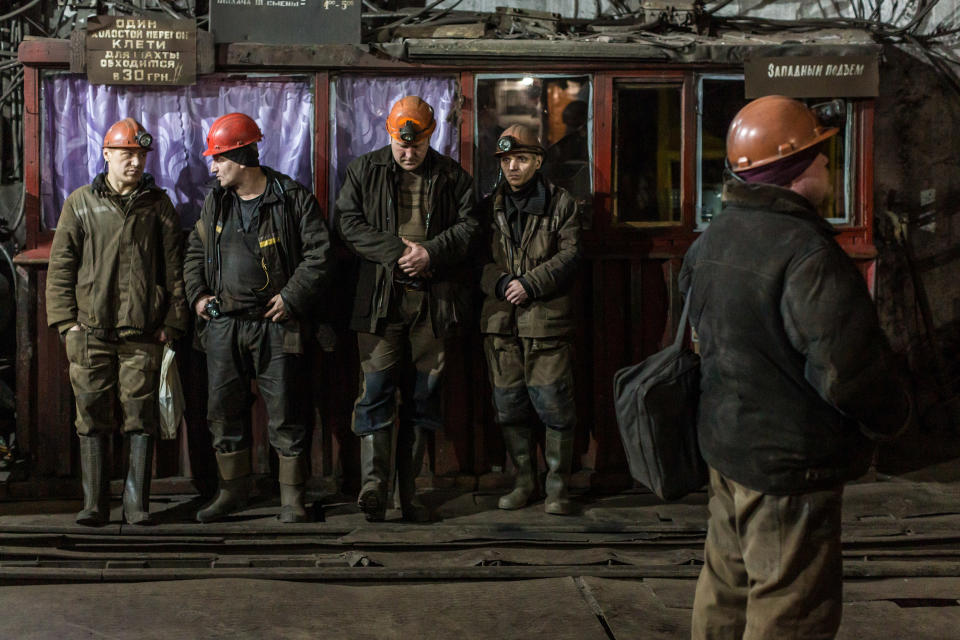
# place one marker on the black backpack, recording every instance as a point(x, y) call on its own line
point(657, 405)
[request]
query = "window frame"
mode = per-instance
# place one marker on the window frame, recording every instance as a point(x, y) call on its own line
point(591, 78)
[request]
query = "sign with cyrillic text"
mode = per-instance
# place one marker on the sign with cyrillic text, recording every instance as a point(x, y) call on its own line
point(813, 77)
point(136, 50)
point(286, 21)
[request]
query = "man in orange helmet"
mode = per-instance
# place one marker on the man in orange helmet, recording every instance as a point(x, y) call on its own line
point(406, 211)
point(115, 291)
point(797, 379)
point(533, 248)
point(257, 263)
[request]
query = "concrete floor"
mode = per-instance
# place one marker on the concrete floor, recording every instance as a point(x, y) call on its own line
point(477, 573)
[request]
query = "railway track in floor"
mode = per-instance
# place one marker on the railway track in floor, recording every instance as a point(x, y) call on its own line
point(392, 552)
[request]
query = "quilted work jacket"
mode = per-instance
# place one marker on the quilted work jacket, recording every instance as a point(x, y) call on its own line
point(546, 256)
point(797, 375)
point(117, 263)
point(366, 214)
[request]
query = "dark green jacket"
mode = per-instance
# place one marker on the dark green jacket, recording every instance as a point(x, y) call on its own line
point(115, 265)
point(546, 256)
point(294, 245)
point(796, 373)
point(366, 213)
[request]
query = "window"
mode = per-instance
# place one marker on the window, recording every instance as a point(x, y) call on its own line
point(647, 147)
point(720, 97)
point(558, 108)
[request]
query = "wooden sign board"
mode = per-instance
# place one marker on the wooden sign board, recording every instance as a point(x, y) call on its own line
point(139, 50)
point(286, 21)
point(813, 77)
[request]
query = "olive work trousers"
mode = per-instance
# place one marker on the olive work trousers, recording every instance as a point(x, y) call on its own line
point(404, 355)
point(101, 370)
point(772, 565)
point(239, 350)
point(532, 373)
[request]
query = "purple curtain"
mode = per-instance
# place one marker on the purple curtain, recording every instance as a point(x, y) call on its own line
point(77, 115)
point(363, 104)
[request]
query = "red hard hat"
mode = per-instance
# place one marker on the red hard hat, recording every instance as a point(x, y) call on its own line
point(231, 131)
point(127, 134)
point(772, 128)
point(411, 120)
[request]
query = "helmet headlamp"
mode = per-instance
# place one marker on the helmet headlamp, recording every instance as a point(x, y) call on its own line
point(409, 131)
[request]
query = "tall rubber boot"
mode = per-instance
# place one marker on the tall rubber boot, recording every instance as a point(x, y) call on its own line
point(93, 477)
point(558, 452)
point(136, 490)
point(293, 478)
point(375, 471)
point(234, 469)
point(518, 439)
point(411, 446)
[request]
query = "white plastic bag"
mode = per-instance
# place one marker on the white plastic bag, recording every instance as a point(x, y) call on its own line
point(170, 395)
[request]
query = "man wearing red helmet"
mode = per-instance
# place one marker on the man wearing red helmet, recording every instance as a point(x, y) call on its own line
point(257, 263)
point(797, 379)
point(406, 211)
point(115, 290)
point(532, 252)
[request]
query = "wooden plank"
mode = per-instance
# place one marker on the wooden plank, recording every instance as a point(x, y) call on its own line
point(26, 285)
point(467, 30)
point(303, 610)
point(31, 154)
point(44, 52)
point(54, 396)
point(631, 610)
point(321, 56)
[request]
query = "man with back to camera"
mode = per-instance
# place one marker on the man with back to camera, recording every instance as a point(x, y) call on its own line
point(533, 249)
point(406, 211)
point(797, 377)
point(115, 291)
point(257, 262)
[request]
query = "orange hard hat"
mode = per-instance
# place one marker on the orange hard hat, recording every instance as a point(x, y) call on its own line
point(518, 138)
point(772, 128)
point(127, 134)
point(231, 131)
point(411, 120)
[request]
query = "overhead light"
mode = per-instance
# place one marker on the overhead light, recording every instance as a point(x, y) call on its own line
point(527, 81)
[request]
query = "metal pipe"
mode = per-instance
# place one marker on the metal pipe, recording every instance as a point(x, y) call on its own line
point(17, 12)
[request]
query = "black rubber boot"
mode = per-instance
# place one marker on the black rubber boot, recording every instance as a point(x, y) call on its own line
point(136, 490)
point(558, 451)
point(96, 496)
point(293, 479)
point(518, 439)
point(411, 447)
point(234, 489)
point(375, 470)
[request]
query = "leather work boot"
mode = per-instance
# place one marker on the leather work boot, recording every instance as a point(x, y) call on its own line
point(518, 439)
point(96, 499)
point(375, 470)
point(558, 452)
point(136, 490)
point(411, 446)
point(293, 479)
point(234, 469)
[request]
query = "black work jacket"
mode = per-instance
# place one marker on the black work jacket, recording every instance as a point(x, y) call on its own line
point(546, 255)
point(796, 371)
point(366, 216)
point(294, 246)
